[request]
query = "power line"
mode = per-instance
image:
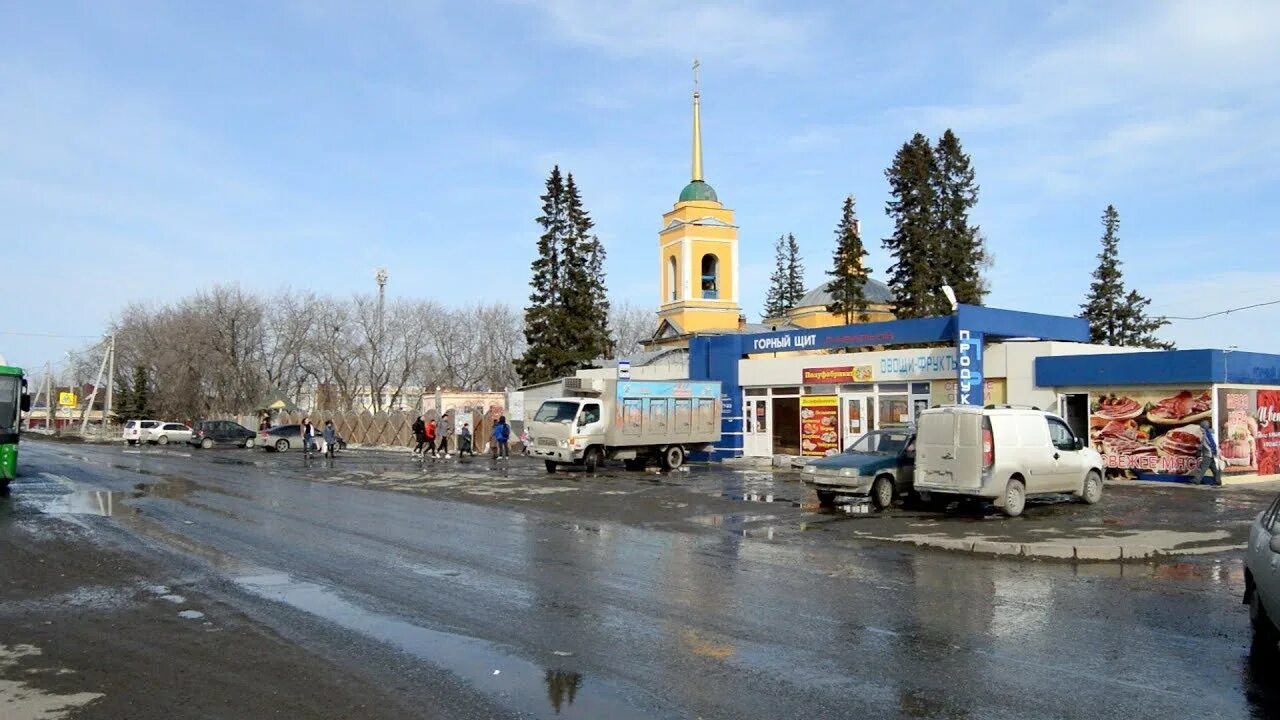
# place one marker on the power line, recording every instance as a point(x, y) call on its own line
point(1221, 312)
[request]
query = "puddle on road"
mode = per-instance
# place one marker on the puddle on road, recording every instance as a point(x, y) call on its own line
point(104, 503)
point(540, 692)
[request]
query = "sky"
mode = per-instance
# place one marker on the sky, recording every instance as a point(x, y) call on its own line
point(148, 150)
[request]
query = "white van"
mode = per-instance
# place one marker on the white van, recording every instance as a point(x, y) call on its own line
point(1003, 454)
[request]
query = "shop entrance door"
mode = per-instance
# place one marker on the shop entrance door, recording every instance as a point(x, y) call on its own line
point(856, 418)
point(784, 415)
point(756, 440)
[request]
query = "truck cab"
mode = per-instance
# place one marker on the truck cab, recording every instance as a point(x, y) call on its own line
point(564, 429)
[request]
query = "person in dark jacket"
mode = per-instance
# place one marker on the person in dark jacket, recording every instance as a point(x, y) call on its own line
point(419, 434)
point(1208, 455)
point(330, 438)
point(501, 436)
point(464, 440)
point(308, 435)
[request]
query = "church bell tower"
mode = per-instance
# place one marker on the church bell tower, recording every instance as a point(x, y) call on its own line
point(697, 255)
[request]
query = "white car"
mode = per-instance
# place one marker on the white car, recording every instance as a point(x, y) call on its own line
point(165, 433)
point(134, 429)
point(1262, 574)
point(1003, 454)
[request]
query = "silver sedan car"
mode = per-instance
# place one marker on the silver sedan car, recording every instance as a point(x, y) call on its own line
point(1262, 574)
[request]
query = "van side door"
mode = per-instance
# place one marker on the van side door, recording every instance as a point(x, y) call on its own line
point(1069, 464)
point(1035, 453)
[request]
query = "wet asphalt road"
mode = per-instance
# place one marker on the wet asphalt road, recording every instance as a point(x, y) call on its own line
point(588, 619)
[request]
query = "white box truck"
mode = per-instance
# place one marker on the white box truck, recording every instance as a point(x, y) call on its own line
point(636, 421)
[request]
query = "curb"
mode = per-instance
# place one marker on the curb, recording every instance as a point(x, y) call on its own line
point(1088, 552)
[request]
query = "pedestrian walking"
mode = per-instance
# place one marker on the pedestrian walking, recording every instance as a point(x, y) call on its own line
point(464, 441)
point(501, 436)
point(443, 430)
point(264, 423)
point(431, 437)
point(524, 441)
point(330, 439)
point(1208, 455)
point(308, 435)
point(419, 434)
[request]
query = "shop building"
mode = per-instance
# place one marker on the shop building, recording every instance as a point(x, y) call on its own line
point(810, 392)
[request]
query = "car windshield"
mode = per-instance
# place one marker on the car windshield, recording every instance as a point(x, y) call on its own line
point(556, 411)
point(10, 388)
point(885, 442)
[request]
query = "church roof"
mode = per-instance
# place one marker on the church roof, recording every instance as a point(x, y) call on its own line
point(876, 293)
point(698, 190)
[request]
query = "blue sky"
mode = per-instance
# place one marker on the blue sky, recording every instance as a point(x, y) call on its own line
point(150, 149)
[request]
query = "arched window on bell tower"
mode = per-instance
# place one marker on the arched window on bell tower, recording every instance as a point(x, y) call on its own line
point(710, 277)
point(673, 280)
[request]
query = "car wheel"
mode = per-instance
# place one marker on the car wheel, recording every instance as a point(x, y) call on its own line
point(1092, 491)
point(1015, 498)
point(1263, 629)
point(593, 459)
point(282, 445)
point(551, 467)
point(248, 443)
point(826, 499)
point(207, 443)
point(672, 457)
point(162, 440)
point(882, 492)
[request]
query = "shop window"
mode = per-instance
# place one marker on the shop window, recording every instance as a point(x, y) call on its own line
point(920, 388)
point(756, 392)
point(893, 387)
point(819, 389)
point(710, 277)
point(673, 279)
point(859, 388)
point(786, 391)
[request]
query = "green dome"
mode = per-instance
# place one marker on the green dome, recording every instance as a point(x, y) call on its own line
point(698, 191)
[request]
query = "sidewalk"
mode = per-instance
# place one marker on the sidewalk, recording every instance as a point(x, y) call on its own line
point(1134, 521)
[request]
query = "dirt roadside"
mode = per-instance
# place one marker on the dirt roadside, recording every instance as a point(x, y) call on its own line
point(87, 631)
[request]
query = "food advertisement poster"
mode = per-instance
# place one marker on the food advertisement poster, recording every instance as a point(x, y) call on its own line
point(1249, 433)
point(1149, 431)
point(836, 375)
point(819, 419)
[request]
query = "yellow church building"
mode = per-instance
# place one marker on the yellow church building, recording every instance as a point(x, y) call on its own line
point(698, 264)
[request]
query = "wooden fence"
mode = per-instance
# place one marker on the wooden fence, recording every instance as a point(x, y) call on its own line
point(393, 429)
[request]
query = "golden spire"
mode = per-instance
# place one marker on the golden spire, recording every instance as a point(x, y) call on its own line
point(697, 125)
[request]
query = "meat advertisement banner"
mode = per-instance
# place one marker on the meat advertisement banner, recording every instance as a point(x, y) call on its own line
point(1249, 434)
point(1150, 431)
point(819, 425)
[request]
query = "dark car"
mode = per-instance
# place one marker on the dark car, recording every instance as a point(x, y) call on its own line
point(879, 464)
point(284, 437)
point(207, 433)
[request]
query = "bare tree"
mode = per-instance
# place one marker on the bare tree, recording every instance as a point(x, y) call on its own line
point(631, 325)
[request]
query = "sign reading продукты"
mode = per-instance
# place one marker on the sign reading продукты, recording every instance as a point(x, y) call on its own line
point(969, 367)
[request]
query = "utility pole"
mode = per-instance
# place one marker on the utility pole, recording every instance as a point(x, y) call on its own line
point(379, 276)
point(84, 415)
point(111, 382)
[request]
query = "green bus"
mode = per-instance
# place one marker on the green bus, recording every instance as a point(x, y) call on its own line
point(13, 401)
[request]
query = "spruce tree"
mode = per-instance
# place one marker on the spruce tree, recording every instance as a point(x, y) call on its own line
point(1137, 329)
point(587, 305)
point(544, 358)
point(775, 302)
point(962, 252)
point(914, 275)
point(795, 273)
point(1117, 316)
point(848, 268)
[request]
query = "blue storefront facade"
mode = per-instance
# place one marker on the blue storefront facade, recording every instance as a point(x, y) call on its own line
point(1139, 408)
point(968, 331)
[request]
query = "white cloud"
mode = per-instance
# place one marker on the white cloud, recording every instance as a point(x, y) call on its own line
point(734, 32)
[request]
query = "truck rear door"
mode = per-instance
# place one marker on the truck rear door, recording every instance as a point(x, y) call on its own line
point(935, 450)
